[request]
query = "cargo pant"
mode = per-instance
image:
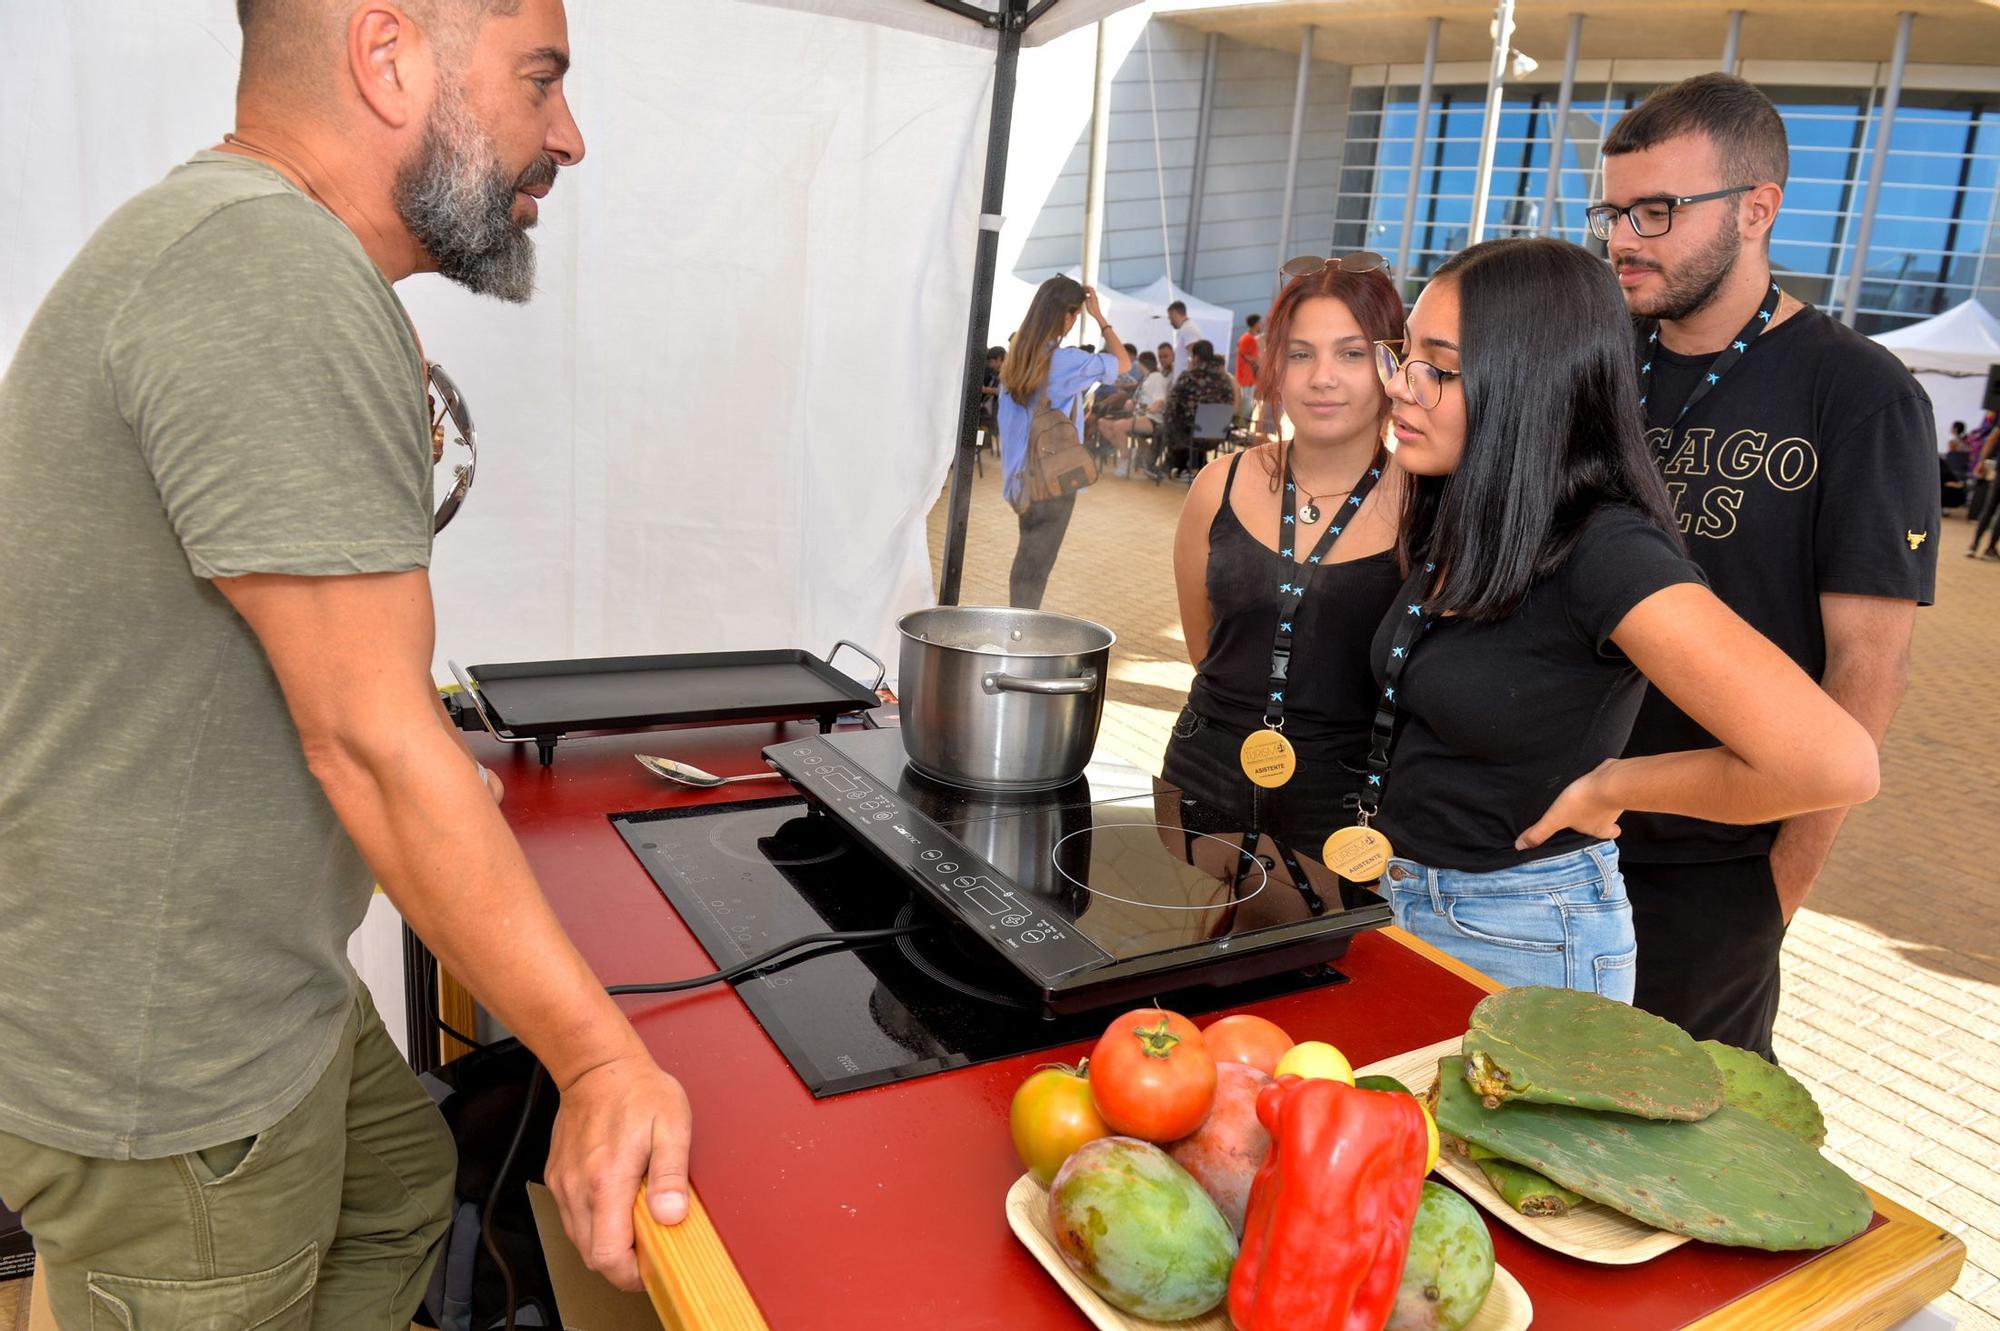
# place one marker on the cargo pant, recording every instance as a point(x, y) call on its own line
point(330, 1218)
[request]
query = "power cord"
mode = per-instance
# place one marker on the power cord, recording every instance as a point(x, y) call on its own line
point(799, 949)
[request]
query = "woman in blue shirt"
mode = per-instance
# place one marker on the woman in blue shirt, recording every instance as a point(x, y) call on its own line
point(1037, 365)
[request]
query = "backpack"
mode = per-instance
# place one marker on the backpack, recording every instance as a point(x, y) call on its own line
point(481, 1096)
point(1057, 464)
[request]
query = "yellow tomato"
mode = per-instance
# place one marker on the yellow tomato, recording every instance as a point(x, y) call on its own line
point(1431, 1127)
point(1316, 1058)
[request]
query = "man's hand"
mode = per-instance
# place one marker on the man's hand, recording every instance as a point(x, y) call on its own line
point(619, 1123)
point(1585, 805)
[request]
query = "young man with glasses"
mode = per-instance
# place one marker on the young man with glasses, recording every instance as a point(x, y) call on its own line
point(217, 438)
point(1801, 462)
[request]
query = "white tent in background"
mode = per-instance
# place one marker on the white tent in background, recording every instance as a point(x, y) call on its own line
point(1216, 323)
point(1950, 355)
point(1138, 317)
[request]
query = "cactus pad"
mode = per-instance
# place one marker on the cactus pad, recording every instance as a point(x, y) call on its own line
point(1562, 1047)
point(1522, 1188)
point(1768, 1091)
point(1730, 1178)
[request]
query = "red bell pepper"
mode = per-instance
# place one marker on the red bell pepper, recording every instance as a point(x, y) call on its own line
point(1330, 1209)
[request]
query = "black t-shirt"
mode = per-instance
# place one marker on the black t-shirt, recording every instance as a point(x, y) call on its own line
point(1330, 703)
point(1495, 718)
point(1810, 468)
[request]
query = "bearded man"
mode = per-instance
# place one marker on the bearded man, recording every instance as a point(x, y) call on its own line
point(1801, 460)
point(216, 632)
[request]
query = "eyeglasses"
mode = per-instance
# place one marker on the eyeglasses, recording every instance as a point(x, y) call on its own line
point(1307, 265)
point(445, 400)
point(1426, 380)
point(1649, 217)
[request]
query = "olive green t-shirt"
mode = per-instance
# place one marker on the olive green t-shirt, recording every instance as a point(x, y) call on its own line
point(221, 383)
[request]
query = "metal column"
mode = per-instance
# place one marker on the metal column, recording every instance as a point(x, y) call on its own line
point(1298, 134)
point(1880, 161)
point(1489, 134)
point(1559, 131)
point(1732, 42)
point(1011, 19)
point(1204, 118)
point(1417, 151)
point(1100, 147)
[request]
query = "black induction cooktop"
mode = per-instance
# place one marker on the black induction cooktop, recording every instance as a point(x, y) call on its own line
point(1048, 911)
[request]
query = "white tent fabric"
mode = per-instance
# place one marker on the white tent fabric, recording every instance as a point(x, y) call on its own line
point(1215, 322)
point(1950, 354)
point(932, 21)
point(723, 419)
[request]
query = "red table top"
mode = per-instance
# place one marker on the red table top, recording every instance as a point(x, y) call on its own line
point(885, 1207)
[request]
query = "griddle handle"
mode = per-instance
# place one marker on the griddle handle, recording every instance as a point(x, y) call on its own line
point(881, 671)
point(468, 689)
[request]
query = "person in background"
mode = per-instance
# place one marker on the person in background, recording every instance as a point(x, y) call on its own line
point(1112, 402)
point(1040, 371)
point(1247, 353)
point(1954, 470)
point(1546, 586)
point(1204, 382)
point(989, 398)
point(1802, 461)
point(1235, 550)
point(1125, 434)
point(1186, 334)
point(1165, 354)
point(1986, 525)
point(218, 622)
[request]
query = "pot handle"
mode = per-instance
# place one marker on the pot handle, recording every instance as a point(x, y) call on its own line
point(999, 683)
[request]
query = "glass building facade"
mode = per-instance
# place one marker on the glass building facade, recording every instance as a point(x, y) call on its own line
point(1932, 246)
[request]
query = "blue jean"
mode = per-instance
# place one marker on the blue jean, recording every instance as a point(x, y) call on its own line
point(1563, 921)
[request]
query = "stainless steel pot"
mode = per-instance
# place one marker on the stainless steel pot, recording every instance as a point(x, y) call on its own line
point(1000, 699)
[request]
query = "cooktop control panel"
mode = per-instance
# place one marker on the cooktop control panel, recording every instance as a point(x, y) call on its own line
point(1029, 930)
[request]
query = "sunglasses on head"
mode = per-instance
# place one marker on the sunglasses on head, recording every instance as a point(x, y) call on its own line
point(1309, 265)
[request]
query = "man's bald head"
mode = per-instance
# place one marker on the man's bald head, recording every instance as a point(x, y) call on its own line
point(292, 49)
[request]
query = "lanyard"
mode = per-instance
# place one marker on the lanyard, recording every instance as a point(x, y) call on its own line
point(1721, 365)
point(1411, 624)
point(1292, 590)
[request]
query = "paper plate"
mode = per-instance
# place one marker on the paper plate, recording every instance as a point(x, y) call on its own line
point(1506, 1308)
point(1592, 1232)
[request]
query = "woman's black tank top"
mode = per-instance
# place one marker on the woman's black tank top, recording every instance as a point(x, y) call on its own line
point(1331, 701)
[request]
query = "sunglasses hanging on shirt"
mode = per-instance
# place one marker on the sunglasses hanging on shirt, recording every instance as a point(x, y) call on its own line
point(446, 401)
point(1266, 756)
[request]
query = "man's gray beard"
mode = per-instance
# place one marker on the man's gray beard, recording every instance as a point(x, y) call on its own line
point(459, 204)
point(1689, 289)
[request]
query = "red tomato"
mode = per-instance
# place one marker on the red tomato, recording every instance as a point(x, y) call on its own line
point(1053, 1114)
point(1152, 1076)
point(1248, 1040)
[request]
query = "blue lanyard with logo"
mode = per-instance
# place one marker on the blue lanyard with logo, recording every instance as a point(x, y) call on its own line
point(1266, 756)
point(1360, 853)
point(1721, 365)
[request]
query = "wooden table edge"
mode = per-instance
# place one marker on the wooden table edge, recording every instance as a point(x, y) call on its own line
point(694, 1286)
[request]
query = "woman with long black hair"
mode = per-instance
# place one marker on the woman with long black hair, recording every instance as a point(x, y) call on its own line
point(1039, 370)
point(1546, 584)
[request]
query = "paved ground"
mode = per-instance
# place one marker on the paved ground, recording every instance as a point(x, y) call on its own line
point(1892, 971)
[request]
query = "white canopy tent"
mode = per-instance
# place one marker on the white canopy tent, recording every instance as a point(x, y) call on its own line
point(1138, 317)
point(1950, 355)
point(723, 419)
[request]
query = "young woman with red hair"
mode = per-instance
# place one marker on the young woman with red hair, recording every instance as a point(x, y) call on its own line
point(1285, 561)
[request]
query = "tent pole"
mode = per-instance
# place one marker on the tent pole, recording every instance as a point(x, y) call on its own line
point(1733, 42)
point(1402, 272)
point(1559, 130)
point(1883, 125)
point(1011, 19)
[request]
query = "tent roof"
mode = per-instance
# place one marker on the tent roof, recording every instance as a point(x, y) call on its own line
point(922, 16)
point(1965, 339)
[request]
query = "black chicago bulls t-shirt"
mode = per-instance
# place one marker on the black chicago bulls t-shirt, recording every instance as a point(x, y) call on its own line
point(1811, 467)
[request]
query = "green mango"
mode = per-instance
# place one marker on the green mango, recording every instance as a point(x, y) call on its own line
point(1559, 1046)
point(1450, 1266)
point(1139, 1230)
point(1730, 1178)
point(1768, 1091)
point(1378, 1082)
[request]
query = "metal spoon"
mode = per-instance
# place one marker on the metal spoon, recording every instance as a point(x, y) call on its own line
point(695, 776)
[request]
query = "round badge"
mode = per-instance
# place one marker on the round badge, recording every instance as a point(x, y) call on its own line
point(1358, 854)
point(1268, 758)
